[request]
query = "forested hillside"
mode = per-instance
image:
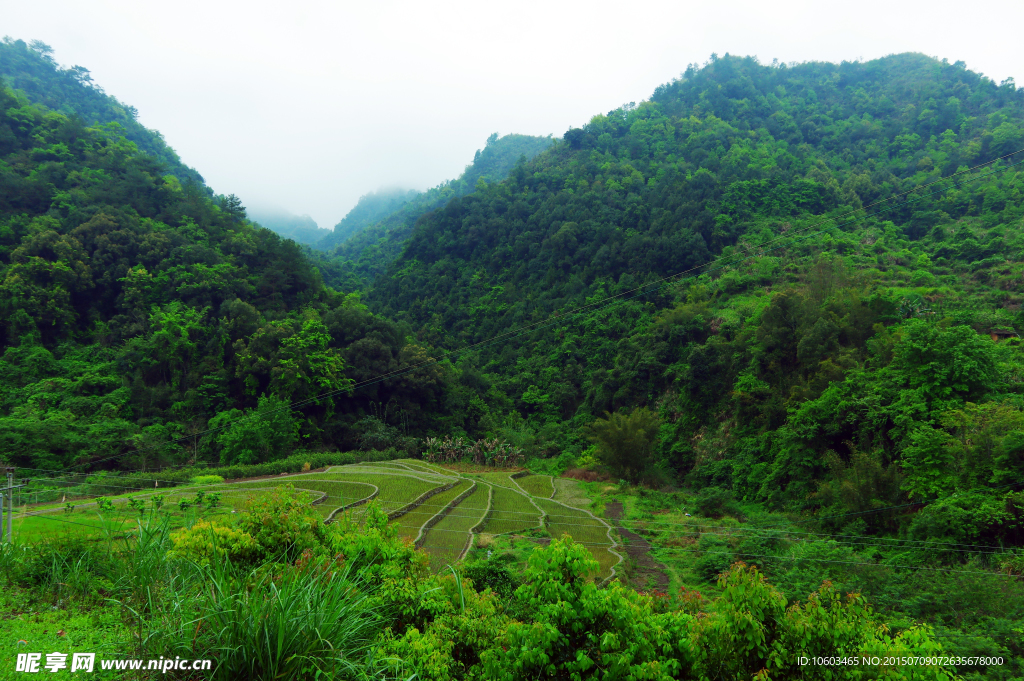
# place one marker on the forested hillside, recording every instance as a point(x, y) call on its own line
point(71, 91)
point(761, 366)
point(138, 310)
point(374, 233)
point(301, 229)
point(370, 208)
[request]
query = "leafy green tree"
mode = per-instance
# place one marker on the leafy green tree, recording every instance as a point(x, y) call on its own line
point(582, 631)
point(626, 442)
point(253, 436)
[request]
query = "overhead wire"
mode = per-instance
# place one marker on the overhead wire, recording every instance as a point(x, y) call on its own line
point(740, 554)
point(727, 530)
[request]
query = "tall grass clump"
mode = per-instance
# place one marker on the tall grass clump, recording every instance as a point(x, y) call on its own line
point(293, 622)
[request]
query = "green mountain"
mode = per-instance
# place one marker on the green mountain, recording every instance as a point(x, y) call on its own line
point(301, 229)
point(369, 244)
point(784, 289)
point(767, 182)
point(138, 309)
point(368, 210)
point(73, 93)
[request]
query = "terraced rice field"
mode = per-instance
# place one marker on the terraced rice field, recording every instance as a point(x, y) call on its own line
point(537, 485)
point(426, 467)
point(409, 524)
point(512, 511)
point(499, 504)
point(584, 528)
point(327, 494)
point(396, 487)
point(446, 541)
point(570, 493)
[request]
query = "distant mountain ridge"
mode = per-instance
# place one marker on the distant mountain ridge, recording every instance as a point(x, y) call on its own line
point(366, 252)
point(301, 229)
point(369, 209)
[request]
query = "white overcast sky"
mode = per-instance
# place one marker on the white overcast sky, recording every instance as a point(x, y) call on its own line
point(308, 105)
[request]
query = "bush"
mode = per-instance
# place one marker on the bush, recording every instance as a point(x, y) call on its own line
point(207, 540)
point(715, 502)
point(284, 525)
point(716, 557)
point(207, 479)
point(257, 435)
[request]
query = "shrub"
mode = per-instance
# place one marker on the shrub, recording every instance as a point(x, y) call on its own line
point(158, 501)
point(715, 502)
point(137, 504)
point(207, 540)
point(213, 499)
point(284, 525)
point(578, 626)
point(206, 479)
point(716, 557)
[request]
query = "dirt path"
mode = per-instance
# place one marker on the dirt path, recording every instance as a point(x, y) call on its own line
point(648, 572)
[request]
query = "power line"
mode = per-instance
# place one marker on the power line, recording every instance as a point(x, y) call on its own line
point(817, 560)
point(754, 531)
point(740, 554)
point(400, 473)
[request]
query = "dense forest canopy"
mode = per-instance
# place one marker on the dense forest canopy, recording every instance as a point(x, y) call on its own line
point(747, 363)
point(137, 308)
point(71, 91)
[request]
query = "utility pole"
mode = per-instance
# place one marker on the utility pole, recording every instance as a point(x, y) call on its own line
point(10, 506)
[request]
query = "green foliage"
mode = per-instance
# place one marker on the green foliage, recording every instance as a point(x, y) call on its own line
point(208, 541)
point(373, 233)
point(579, 629)
point(284, 526)
point(714, 502)
point(626, 442)
point(206, 479)
point(266, 433)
